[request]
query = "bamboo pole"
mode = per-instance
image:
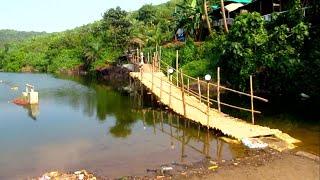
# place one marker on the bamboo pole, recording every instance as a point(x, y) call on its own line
point(159, 57)
point(183, 95)
point(199, 89)
point(218, 89)
point(205, 7)
point(160, 88)
point(148, 58)
point(224, 16)
point(154, 60)
point(251, 91)
point(188, 84)
point(152, 76)
point(170, 94)
point(177, 67)
point(208, 104)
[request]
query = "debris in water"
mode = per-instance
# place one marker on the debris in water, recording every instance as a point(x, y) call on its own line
point(254, 143)
point(20, 101)
point(165, 169)
point(78, 175)
point(213, 167)
point(14, 88)
point(304, 96)
point(213, 162)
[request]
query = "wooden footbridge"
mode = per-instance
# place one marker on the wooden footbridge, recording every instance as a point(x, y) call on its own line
point(184, 95)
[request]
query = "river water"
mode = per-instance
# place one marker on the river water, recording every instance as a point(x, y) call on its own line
point(82, 124)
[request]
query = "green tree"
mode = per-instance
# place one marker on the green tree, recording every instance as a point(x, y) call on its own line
point(117, 27)
point(147, 14)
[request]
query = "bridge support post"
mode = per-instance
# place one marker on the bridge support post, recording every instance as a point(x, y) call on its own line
point(183, 94)
point(188, 84)
point(152, 72)
point(159, 57)
point(208, 104)
point(218, 89)
point(170, 95)
point(199, 89)
point(251, 92)
point(160, 88)
point(177, 67)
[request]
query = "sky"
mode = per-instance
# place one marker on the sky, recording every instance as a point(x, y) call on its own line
point(59, 15)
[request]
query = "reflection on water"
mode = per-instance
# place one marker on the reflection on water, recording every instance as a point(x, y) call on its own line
point(33, 110)
point(81, 124)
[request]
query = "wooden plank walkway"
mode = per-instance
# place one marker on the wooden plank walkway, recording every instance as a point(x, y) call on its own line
point(161, 87)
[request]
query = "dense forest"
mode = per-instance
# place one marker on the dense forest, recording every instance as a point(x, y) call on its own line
point(10, 36)
point(283, 54)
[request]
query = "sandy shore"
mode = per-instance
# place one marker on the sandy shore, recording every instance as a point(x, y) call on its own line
point(287, 166)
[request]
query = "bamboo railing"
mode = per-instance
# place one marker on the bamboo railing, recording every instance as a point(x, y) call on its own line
point(178, 79)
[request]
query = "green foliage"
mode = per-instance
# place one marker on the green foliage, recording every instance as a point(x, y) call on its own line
point(197, 68)
point(188, 53)
point(147, 14)
point(8, 36)
point(117, 27)
point(244, 48)
point(272, 52)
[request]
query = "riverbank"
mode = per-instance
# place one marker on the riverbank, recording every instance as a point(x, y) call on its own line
point(259, 164)
point(262, 164)
point(278, 167)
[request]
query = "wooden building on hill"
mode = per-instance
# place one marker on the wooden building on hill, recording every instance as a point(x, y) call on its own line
point(265, 7)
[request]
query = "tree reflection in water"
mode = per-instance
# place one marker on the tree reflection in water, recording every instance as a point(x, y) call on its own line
point(103, 101)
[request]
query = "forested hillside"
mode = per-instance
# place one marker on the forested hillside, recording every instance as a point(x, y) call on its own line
point(283, 55)
point(8, 36)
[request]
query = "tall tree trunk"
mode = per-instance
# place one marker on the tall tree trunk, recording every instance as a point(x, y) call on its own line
point(207, 16)
point(224, 17)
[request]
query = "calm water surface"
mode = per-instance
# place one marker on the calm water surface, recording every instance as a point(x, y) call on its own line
point(80, 124)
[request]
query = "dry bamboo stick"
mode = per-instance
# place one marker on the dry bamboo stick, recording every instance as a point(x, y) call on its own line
point(218, 89)
point(170, 95)
point(199, 89)
point(208, 104)
point(251, 91)
point(177, 67)
point(240, 108)
point(183, 95)
point(160, 88)
point(188, 86)
point(152, 77)
point(242, 93)
point(159, 57)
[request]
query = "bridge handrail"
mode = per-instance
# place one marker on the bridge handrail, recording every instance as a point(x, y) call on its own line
point(213, 84)
point(161, 66)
